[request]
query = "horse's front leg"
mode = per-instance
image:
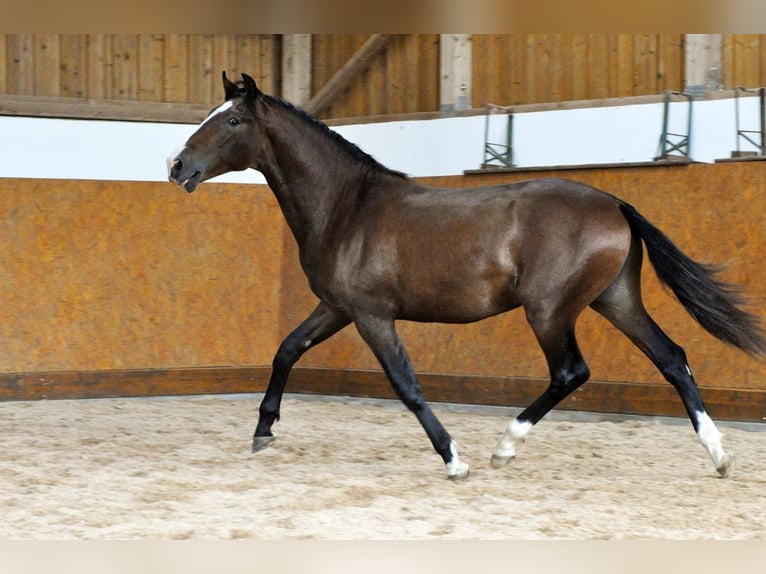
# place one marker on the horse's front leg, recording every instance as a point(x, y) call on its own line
point(381, 337)
point(323, 322)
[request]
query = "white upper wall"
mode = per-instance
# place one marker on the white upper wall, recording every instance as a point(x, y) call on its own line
point(113, 150)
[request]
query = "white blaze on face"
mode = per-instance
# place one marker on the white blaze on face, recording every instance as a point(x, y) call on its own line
point(219, 110)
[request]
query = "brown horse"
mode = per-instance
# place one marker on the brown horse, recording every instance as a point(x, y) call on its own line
point(377, 247)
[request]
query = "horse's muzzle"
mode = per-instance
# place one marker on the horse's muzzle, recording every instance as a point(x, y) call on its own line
point(189, 179)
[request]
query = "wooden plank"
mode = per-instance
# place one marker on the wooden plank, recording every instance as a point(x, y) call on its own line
point(150, 73)
point(558, 86)
point(100, 64)
point(73, 66)
point(46, 66)
point(577, 62)
point(269, 75)
point(625, 65)
point(517, 66)
point(373, 90)
point(224, 58)
point(670, 67)
point(645, 71)
point(746, 53)
point(176, 68)
point(125, 66)
point(20, 74)
point(427, 75)
point(3, 63)
point(400, 63)
point(594, 396)
point(200, 69)
point(249, 55)
point(483, 58)
point(529, 94)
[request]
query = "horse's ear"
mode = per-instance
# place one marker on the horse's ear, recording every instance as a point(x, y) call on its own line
point(230, 89)
point(250, 89)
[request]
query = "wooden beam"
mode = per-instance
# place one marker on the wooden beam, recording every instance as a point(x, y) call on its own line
point(342, 79)
point(595, 396)
point(296, 68)
point(97, 109)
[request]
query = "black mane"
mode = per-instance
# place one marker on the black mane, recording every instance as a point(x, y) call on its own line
point(354, 150)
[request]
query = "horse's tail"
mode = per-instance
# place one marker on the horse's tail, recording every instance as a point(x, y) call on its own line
point(714, 304)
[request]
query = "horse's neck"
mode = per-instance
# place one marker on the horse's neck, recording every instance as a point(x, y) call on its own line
point(308, 172)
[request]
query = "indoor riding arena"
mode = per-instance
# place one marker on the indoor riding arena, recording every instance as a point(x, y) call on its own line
point(139, 323)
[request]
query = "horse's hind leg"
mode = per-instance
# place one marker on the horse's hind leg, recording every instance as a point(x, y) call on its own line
point(320, 325)
point(621, 305)
point(567, 369)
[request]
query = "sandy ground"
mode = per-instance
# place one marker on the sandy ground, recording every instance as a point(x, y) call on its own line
point(182, 469)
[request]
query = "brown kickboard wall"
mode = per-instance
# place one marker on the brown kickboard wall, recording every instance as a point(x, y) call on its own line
point(115, 281)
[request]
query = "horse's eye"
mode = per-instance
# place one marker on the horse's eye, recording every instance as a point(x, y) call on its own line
point(233, 121)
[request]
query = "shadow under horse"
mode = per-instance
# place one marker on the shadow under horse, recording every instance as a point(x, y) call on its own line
point(378, 247)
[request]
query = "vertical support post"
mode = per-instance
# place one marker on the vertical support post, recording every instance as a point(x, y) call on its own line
point(703, 64)
point(662, 153)
point(455, 76)
point(296, 68)
point(762, 101)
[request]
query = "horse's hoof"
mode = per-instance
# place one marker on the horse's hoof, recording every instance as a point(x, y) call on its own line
point(461, 473)
point(261, 442)
point(498, 461)
point(727, 466)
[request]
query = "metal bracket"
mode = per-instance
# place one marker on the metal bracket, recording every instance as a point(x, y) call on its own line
point(499, 153)
point(670, 143)
point(744, 134)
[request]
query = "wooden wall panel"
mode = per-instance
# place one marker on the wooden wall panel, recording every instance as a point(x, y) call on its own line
point(539, 68)
point(507, 68)
point(102, 275)
point(135, 288)
point(744, 60)
point(179, 68)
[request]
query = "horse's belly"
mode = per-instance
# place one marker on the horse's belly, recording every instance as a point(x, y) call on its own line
point(457, 301)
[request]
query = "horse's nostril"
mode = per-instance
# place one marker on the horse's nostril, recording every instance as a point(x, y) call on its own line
point(175, 168)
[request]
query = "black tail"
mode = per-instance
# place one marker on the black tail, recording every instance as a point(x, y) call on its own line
point(714, 304)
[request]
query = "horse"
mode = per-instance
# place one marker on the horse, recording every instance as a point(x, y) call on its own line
point(377, 247)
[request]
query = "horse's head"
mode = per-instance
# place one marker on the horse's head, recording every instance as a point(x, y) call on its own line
point(223, 142)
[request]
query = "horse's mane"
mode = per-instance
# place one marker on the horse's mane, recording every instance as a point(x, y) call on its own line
point(355, 151)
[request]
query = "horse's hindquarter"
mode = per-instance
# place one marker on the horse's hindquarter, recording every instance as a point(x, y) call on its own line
point(575, 242)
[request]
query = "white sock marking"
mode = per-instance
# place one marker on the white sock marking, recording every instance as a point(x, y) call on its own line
point(516, 433)
point(710, 437)
point(455, 467)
